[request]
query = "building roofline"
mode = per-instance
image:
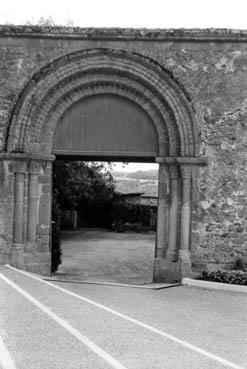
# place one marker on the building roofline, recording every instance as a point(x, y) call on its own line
point(134, 34)
point(150, 196)
point(131, 193)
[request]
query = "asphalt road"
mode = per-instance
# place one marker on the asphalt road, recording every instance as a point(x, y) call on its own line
point(116, 327)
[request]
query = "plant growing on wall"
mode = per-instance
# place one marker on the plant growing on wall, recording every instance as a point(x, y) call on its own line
point(56, 254)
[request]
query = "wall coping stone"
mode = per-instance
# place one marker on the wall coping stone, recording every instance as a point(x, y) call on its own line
point(214, 285)
point(135, 34)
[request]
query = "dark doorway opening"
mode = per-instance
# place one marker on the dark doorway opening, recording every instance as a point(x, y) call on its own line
point(108, 233)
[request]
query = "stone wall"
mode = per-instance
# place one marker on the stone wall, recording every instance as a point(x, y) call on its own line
point(209, 65)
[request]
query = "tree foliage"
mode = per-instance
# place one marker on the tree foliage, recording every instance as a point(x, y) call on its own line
point(79, 183)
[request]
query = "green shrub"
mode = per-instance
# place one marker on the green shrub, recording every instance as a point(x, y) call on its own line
point(226, 276)
point(130, 217)
point(239, 264)
point(121, 227)
point(118, 226)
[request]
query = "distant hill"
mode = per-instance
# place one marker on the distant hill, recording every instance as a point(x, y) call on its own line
point(140, 181)
point(140, 174)
point(117, 174)
point(128, 185)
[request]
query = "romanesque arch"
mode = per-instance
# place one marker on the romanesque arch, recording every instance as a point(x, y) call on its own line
point(98, 71)
point(41, 106)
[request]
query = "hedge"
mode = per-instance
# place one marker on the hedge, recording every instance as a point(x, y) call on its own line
point(124, 216)
point(226, 276)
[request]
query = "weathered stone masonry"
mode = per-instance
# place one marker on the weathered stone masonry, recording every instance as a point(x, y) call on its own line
point(191, 83)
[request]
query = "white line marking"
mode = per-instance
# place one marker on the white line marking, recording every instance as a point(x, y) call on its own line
point(5, 358)
point(139, 323)
point(108, 358)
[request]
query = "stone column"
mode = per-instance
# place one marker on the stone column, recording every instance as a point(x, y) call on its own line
point(163, 208)
point(32, 212)
point(160, 265)
point(184, 252)
point(18, 246)
point(44, 211)
point(171, 253)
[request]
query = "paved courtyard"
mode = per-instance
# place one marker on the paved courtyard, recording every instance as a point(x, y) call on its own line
point(54, 325)
point(97, 255)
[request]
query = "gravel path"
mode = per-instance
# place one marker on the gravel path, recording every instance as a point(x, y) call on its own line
point(107, 256)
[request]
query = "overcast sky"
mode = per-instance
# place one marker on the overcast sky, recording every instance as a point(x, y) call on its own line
point(129, 13)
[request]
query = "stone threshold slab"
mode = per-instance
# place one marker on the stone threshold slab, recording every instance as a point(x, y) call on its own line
point(214, 285)
point(152, 286)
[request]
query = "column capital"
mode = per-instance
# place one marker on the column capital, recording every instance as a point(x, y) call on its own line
point(21, 166)
point(185, 171)
point(34, 166)
point(174, 171)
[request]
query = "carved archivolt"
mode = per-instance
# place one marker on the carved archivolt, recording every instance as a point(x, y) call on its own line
point(98, 71)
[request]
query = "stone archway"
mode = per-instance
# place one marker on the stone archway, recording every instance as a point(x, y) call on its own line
point(43, 103)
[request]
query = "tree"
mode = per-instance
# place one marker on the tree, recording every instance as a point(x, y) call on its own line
point(78, 183)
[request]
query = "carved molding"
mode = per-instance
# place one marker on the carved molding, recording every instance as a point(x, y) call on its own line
point(75, 76)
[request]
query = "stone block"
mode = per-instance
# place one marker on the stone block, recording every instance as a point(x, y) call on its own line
point(45, 179)
point(43, 257)
point(4, 258)
point(28, 258)
point(167, 271)
point(43, 230)
point(46, 189)
point(16, 258)
point(31, 247)
point(43, 247)
point(39, 268)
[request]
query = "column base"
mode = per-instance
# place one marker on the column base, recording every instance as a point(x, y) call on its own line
point(31, 247)
point(35, 262)
point(171, 256)
point(184, 262)
point(16, 259)
point(39, 268)
point(39, 262)
point(172, 271)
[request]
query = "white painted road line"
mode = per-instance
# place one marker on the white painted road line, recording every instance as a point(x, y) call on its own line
point(96, 349)
point(5, 358)
point(179, 341)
